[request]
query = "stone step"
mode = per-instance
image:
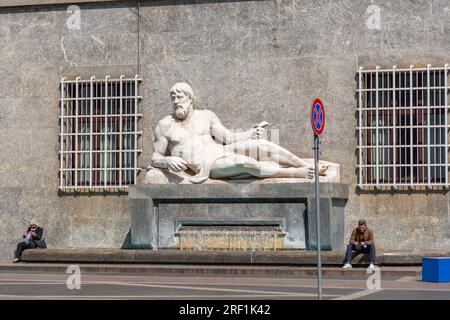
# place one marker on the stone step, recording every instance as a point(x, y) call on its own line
point(205, 270)
point(285, 257)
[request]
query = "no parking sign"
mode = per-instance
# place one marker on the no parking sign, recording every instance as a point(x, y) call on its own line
point(318, 117)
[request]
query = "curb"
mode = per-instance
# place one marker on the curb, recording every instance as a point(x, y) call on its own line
point(208, 270)
point(293, 258)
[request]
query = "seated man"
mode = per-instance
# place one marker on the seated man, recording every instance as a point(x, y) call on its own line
point(31, 239)
point(361, 241)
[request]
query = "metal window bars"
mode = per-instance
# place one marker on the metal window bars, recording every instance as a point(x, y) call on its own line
point(402, 128)
point(99, 133)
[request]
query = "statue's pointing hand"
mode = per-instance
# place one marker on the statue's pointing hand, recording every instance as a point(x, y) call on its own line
point(176, 164)
point(323, 170)
point(258, 130)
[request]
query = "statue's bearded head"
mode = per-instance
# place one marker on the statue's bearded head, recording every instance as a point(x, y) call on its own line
point(183, 99)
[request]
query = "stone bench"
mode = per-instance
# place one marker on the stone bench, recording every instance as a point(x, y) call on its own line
point(285, 257)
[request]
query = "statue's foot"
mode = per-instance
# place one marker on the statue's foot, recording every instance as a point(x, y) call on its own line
point(305, 172)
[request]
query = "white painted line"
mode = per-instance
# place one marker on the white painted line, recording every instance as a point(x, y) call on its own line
point(355, 287)
point(198, 288)
point(407, 279)
point(209, 297)
point(359, 294)
point(40, 282)
point(281, 293)
point(293, 282)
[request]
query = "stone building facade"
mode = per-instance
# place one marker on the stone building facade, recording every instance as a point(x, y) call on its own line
point(247, 61)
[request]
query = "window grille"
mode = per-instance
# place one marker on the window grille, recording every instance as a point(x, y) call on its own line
point(402, 127)
point(99, 133)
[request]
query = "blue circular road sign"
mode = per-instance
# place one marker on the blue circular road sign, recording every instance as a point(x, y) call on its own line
point(318, 117)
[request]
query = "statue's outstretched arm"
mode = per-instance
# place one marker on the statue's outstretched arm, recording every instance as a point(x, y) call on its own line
point(225, 135)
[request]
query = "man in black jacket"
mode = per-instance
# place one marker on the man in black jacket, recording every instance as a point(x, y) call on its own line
point(31, 239)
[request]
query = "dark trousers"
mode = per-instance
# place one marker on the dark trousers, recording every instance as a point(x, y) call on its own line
point(370, 249)
point(23, 246)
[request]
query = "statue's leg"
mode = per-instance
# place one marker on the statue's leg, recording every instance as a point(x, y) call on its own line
point(263, 150)
point(240, 166)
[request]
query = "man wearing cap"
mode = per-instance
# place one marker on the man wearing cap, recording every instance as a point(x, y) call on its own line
point(361, 241)
point(31, 239)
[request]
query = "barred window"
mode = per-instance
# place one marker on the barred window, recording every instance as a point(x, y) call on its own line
point(99, 133)
point(403, 127)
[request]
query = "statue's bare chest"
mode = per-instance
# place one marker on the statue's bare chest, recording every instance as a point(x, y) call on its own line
point(181, 132)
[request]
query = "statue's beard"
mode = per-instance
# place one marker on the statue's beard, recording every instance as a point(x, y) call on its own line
point(181, 112)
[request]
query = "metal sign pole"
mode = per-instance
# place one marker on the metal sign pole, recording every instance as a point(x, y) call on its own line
point(316, 187)
point(318, 124)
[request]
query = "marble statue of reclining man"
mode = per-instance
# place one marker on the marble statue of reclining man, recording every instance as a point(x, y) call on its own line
point(197, 140)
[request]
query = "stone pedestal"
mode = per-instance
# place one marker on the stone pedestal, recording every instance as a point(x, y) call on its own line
point(158, 211)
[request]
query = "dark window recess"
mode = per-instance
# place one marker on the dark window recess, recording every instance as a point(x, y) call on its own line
point(99, 133)
point(402, 127)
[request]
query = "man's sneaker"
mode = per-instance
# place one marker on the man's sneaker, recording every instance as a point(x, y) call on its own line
point(371, 266)
point(16, 260)
point(347, 266)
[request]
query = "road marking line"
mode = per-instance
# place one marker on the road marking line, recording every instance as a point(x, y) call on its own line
point(297, 282)
point(37, 282)
point(304, 295)
point(282, 293)
point(407, 279)
point(359, 294)
point(197, 288)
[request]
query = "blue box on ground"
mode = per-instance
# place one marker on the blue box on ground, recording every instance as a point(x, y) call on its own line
point(436, 269)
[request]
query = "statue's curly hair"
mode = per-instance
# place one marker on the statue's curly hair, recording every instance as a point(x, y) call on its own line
point(183, 88)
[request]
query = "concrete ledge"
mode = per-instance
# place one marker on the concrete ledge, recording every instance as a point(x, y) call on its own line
point(280, 258)
point(189, 193)
point(205, 270)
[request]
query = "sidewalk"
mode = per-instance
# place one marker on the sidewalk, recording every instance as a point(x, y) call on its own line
point(179, 262)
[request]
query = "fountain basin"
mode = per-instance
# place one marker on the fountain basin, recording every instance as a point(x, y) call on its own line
point(159, 210)
point(230, 237)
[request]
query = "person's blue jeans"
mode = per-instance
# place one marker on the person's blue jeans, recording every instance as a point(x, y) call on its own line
point(369, 249)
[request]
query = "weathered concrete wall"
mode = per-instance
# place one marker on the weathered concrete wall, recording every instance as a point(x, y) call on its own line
point(36, 49)
point(246, 60)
